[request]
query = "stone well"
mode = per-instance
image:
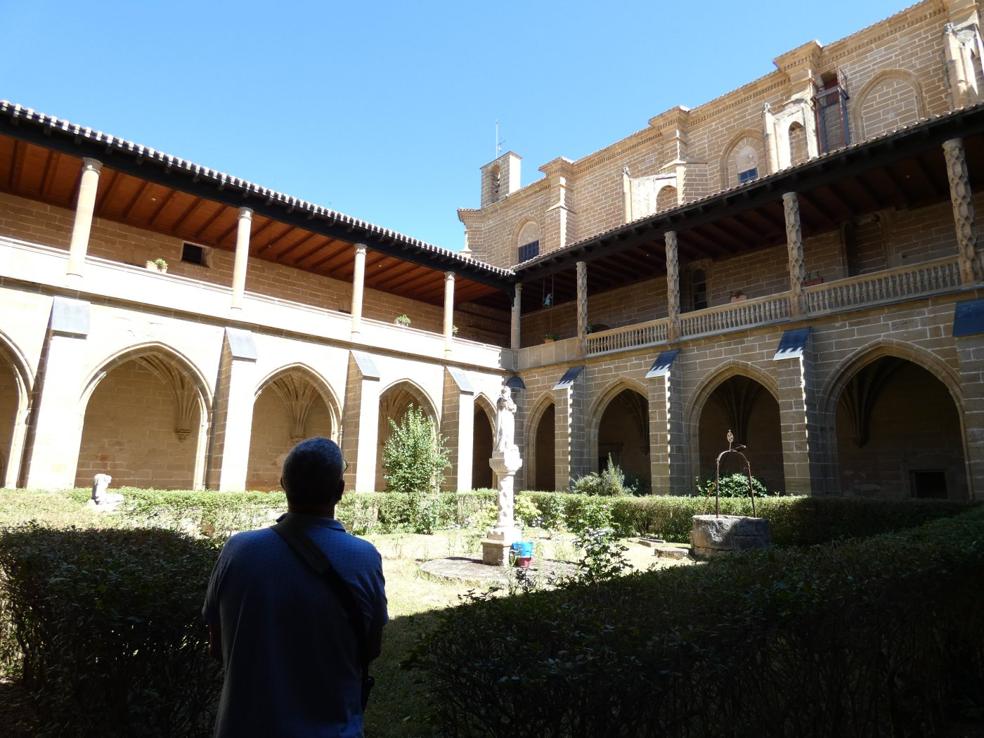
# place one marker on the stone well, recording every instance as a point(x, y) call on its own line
point(713, 535)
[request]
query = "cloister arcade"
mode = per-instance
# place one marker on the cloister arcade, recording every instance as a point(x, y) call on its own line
point(394, 402)
point(145, 422)
point(293, 404)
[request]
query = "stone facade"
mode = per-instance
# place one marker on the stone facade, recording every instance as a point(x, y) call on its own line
point(835, 357)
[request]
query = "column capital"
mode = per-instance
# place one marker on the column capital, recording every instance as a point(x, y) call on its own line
point(246, 213)
point(953, 146)
point(91, 165)
point(448, 276)
point(361, 248)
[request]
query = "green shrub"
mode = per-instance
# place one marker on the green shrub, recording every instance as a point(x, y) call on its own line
point(733, 485)
point(609, 482)
point(108, 629)
point(867, 637)
point(415, 455)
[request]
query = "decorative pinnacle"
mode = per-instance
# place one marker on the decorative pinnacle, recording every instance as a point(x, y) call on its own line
point(730, 437)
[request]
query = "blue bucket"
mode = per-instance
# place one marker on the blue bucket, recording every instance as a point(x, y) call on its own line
point(522, 553)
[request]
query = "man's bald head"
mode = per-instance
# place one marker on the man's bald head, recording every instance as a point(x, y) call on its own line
point(312, 474)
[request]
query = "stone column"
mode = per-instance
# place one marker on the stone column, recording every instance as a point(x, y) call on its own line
point(84, 209)
point(962, 199)
point(458, 427)
point(794, 243)
point(667, 447)
point(448, 311)
point(232, 412)
point(358, 287)
point(361, 423)
point(242, 257)
point(53, 444)
point(672, 285)
point(803, 451)
point(970, 354)
point(570, 441)
point(516, 319)
point(582, 303)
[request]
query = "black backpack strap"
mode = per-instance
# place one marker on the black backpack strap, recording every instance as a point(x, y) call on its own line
point(294, 534)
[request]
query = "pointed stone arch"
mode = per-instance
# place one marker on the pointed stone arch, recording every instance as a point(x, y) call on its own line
point(16, 387)
point(290, 404)
point(618, 427)
point(145, 419)
point(394, 400)
point(540, 460)
point(893, 415)
point(891, 99)
point(483, 440)
point(741, 143)
point(737, 396)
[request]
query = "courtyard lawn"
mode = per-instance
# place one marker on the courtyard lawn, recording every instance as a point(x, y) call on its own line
point(399, 703)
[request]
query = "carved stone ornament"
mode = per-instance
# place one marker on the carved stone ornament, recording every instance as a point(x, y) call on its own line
point(961, 197)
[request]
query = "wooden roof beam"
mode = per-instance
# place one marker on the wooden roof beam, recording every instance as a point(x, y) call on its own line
point(392, 276)
point(165, 201)
point(135, 199)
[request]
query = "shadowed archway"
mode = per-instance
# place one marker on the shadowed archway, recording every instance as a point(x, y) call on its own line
point(145, 422)
point(899, 433)
point(291, 405)
point(541, 454)
point(623, 435)
point(482, 442)
point(394, 402)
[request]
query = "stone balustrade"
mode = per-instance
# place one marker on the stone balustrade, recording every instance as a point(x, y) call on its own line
point(630, 336)
point(25, 262)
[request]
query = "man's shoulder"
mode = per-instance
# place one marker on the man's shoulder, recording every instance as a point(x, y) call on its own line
point(249, 540)
point(359, 546)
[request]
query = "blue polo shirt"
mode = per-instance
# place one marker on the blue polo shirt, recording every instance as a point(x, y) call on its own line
point(291, 659)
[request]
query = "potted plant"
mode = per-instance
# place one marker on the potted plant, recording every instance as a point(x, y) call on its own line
point(454, 330)
point(550, 338)
point(158, 265)
point(738, 296)
point(402, 319)
point(813, 278)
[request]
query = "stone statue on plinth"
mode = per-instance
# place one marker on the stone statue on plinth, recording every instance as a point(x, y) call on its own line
point(505, 462)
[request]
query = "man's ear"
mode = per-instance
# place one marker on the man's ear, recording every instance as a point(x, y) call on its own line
point(341, 488)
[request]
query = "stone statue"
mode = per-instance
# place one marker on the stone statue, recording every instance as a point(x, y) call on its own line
point(505, 462)
point(505, 423)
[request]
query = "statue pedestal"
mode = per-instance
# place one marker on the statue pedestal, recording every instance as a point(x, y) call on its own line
point(495, 546)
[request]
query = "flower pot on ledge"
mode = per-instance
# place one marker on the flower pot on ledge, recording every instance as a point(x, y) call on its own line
point(155, 267)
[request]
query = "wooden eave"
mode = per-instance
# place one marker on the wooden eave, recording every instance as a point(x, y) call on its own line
point(41, 159)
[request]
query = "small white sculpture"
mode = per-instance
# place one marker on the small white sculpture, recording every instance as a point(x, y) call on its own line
point(101, 499)
point(505, 423)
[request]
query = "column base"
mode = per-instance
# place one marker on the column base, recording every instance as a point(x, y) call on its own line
point(495, 547)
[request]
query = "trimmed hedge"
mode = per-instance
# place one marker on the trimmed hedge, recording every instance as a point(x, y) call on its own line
point(108, 627)
point(869, 637)
point(794, 520)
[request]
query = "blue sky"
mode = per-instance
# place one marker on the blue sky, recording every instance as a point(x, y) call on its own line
point(386, 111)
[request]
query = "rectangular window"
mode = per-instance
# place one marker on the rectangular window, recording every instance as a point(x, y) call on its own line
point(929, 484)
point(194, 254)
point(748, 175)
point(528, 250)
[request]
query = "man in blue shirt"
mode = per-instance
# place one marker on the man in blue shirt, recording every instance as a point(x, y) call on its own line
point(292, 662)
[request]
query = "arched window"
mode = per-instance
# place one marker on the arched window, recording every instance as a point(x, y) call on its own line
point(528, 242)
point(746, 162)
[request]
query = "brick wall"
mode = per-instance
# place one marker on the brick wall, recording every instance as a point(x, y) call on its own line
point(270, 438)
point(894, 72)
point(52, 226)
point(129, 433)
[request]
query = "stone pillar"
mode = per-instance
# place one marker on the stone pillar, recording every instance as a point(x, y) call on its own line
point(803, 451)
point(963, 50)
point(794, 244)
point(358, 287)
point(232, 411)
point(970, 355)
point(242, 257)
point(18, 438)
point(515, 337)
point(458, 427)
point(361, 423)
point(667, 446)
point(962, 199)
point(559, 229)
point(570, 440)
point(56, 433)
point(672, 285)
point(448, 311)
point(84, 209)
point(582, 303)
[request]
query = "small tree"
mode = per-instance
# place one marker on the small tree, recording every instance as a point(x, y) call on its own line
point(415, 455)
